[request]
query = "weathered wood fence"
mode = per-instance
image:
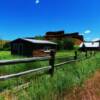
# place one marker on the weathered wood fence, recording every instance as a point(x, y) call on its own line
point(49, 69)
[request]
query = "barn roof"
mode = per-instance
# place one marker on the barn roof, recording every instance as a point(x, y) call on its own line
point(90, 44)
point(39, 41)
point(36, 41)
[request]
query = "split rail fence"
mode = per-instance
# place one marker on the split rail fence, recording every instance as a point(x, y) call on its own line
point(44, 70)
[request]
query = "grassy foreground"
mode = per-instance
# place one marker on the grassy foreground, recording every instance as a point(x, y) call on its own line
point(48, 88)
point(11, 69)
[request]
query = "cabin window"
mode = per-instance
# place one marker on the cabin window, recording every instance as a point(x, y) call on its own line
point(47, 48)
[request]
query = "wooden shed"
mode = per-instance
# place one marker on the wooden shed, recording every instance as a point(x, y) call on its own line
point(31, 47)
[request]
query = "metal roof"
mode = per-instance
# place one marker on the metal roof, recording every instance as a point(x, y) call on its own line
point(90, 44)
point(40, 41)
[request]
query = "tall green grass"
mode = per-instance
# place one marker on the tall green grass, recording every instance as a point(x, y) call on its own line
point(50, 88)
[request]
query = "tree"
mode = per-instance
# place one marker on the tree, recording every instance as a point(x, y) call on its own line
point(39, 37)
point(59, 44)
point(68, 44)
point(64, 44)
point(7, 46)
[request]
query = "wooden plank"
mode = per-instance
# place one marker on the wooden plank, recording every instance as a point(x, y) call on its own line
point(24, 60)
point(57, 65)
point(66, 62)
point(5, 77)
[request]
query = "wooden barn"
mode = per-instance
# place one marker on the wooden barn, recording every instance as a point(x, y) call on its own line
point(59, 35)
point(31, 47)
point(89, 46)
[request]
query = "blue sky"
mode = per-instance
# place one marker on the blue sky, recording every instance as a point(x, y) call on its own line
point(23, 18)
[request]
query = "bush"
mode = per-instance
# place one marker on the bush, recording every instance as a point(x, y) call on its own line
point(68, 44)
point(65, 44)
point(7, 46)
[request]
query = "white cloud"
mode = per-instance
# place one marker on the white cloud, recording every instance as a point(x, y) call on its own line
point(87, 31)
point(37, 1)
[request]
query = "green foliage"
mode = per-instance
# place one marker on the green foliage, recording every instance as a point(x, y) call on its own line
point(68, 44)
point(60, 44)
point(65, 44)
point(2, 43)
point(39, 37)
point(6, 46)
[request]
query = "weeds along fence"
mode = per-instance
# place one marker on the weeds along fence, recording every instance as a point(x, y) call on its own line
point(43, 70)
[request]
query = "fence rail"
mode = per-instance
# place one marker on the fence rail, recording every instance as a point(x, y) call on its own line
point(24, 60)
point(5, 77)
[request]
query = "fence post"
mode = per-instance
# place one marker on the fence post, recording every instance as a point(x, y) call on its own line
point(75, 57)
point(86, 53)
point(52, 62)
point(94, 53)
point(90, 53)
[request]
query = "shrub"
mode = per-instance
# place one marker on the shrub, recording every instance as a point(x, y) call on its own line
point(65, 44)
point(7, 46)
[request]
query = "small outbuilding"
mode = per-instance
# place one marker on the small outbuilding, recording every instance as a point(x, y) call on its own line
point(89, 46)
point(31, 47)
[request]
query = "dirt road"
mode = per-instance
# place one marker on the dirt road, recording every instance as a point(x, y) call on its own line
point(90, 90)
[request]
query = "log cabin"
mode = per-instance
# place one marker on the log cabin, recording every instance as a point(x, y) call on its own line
point(31, 47)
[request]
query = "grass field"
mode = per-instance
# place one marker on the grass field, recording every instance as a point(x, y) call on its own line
point(64, 53)
point(47, 87)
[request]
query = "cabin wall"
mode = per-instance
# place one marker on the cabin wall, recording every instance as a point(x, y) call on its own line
point(24, 48)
